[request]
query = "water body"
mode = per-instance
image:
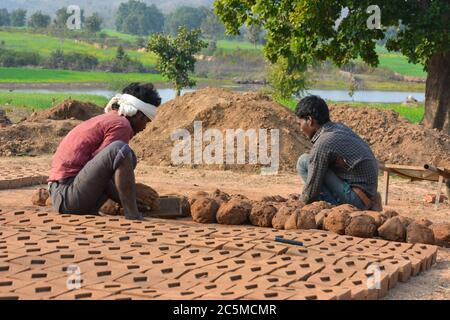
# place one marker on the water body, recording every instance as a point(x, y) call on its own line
point(335, 95)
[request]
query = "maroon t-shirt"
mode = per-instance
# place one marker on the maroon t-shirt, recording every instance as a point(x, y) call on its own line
point(86, 140)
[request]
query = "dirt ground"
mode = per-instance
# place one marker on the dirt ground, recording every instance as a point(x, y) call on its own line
point(405, 197)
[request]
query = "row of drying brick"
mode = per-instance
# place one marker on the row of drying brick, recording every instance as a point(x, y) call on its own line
point(216, 246)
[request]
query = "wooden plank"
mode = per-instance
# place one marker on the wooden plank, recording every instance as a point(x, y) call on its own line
point(386, 187)
point(438, 194)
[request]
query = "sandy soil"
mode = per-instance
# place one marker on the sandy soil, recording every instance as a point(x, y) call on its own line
point(405, 197)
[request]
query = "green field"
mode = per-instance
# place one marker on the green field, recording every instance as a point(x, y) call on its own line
point(44, 100)
point(32, 75)
point(413, 114)
point(21, 40)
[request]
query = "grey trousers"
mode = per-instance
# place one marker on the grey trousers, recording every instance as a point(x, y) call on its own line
point(86, 192)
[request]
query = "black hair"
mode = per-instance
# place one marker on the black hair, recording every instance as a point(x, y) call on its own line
point(314, 107)
point(145, 92)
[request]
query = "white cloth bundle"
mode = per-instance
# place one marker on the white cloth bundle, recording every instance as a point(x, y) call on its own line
point(130, 105)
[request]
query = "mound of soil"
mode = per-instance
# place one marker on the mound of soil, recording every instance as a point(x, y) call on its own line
point(34, 138)
point(394, 139)
point(221, 109)
point(69, 109)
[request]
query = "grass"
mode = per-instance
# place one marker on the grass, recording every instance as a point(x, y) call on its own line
point(44, 100)
point(413, 114)
point(34, 75)
point(22, 40)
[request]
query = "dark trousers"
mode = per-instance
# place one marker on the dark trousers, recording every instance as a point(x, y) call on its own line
point(87, 191)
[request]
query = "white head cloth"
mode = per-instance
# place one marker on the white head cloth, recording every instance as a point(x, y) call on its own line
point(130, 105)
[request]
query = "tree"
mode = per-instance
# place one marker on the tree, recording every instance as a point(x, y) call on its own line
point(254, 32)
point(176, 55)
point(61, 18)
point(135, 17)
point(305, 31)
point(18, 18)
point(212, 28)
point(188, 17)
point(5, 18)
point(93, 23)
point(39, 20)
point(285, 80)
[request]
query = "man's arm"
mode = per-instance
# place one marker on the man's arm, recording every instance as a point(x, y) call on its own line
point(317, 169)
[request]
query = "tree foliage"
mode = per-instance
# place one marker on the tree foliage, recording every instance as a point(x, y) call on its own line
point(189, 17)
point(39, 20)
point(18, 18)
point(176, 55)
point(5, 18)
point(135, 17)
point(93, 23)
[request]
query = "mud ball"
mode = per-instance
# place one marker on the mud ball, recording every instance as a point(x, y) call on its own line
point(220, 196)
point(424, 222)
point(390, 214)
point(393, 230)
point(276, 198)
point(111, 208)
point(301, 219)
point(320, 217)
point(262, 214)
point(378, 217)
point(196, 195)
point(417, 233)
point(234, 212)
point(337, 221)
point(147, 198)
point(39, 198)
point(282, 215)
point(441, 233)
point(362, 226)
point(204, 210)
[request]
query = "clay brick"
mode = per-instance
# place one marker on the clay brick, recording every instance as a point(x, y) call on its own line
point(239, 245)
point(270, 246)
point(181, 295)
point(416, 263)
point(358, 289)
point(8, 284)
point(397, 247)
point(35, 262)
point(269, 295)
point(373, 293)
point(403, 267)
point(355, 262)
point(174, 271)
point(145, 293)
point(32, 275)
point(113, 287)
point(201, 275)
point(82, 294)
point(140, 279)
point(327, 279)
point(306, 294)
point(425, 252)
point(293, 272)
point(270, 281)
point(337, 291)
point(42, 290)
point(174, 285)
point(229, 294)
point(257, 255)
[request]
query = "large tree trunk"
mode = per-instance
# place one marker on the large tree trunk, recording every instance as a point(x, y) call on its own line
point(437, 96)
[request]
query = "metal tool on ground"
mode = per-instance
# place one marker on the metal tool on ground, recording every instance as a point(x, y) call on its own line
point(288, 241)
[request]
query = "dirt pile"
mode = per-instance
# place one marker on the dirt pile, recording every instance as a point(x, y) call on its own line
point(34, 138)
point(221, 109)
point(393, 138)
point(69, 109)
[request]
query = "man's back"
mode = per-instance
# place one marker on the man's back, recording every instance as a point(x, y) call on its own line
point(339, 142)
point(85, 141)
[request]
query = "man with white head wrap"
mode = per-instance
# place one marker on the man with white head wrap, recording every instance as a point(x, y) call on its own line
point(94, 162)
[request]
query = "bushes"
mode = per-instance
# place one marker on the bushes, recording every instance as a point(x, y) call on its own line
point(10, 58)
point(71, 61)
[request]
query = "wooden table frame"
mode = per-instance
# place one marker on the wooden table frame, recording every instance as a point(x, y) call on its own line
point(414, 173)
